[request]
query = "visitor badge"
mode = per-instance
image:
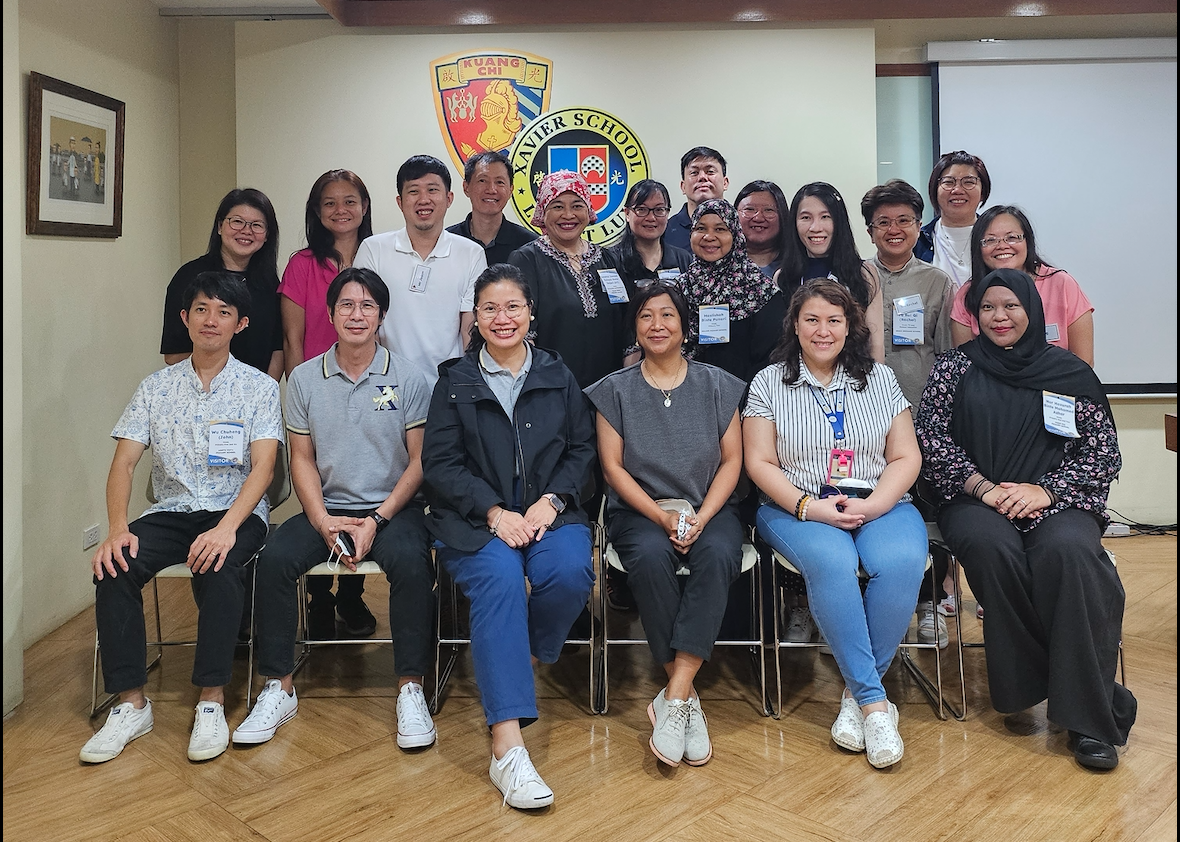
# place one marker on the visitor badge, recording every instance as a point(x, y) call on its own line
point(1052, 333)
point(613, 285)
point(713, 324)
point(1059, 414)
point(227, 443)
point(908, 321)
point(420, 278)
point(671, 276)
point(839, 465)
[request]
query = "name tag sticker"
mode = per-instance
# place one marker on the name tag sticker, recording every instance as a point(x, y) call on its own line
point(839, 464)
point(227, 443)
point(1052, 333)
point(613, 285)
point(1059, 414)
point(908, 326)
point(420, 278)
point(672, 275)
point(714, 324)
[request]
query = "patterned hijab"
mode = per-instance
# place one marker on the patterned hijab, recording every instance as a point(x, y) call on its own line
point(733, 279)
point(556, 183)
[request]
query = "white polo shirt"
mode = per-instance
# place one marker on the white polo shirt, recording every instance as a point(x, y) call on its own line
point(426, 297)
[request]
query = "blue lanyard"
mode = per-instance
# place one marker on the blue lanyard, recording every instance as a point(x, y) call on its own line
point(835, 416)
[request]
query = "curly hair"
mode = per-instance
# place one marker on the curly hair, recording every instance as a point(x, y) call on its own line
point(856, 355)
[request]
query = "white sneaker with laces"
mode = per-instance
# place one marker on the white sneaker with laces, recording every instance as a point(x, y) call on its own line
point(669, 719)
point(931, 625)
point(516, 777)
point(272, 708)
point(800, 625)
point(210, 736)
point(415, 728)
point(124, 724)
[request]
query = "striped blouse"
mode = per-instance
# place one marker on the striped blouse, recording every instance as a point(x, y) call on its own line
point(805, 438)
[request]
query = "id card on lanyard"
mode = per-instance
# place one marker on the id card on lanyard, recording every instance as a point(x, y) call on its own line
point(840, 459)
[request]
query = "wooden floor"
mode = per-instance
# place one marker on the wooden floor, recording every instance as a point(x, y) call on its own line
point(335, 773)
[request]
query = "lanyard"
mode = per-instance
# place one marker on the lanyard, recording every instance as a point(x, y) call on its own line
point(835, 416)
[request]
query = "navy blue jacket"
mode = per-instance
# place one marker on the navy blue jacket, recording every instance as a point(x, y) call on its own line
point(924, 248)
point(470, 448)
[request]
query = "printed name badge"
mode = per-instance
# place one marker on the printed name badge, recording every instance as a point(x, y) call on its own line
point(1059, 414)
point(714, 324)
point(671, 276)
point(908, 325)
point(613, 285)
point(227, 443)
point(1052, 333)
point(839, 465)
point(420, 278)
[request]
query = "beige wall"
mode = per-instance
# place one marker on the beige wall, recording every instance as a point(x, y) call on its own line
point(91, 308)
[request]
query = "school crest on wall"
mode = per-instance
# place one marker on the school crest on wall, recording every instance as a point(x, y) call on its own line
point(484, 100)
point(584, 140)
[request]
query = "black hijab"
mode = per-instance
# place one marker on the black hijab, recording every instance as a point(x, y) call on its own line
point(998, 415)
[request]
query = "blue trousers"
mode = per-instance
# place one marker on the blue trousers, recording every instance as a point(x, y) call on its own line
point(509, 624)
point(863, 631)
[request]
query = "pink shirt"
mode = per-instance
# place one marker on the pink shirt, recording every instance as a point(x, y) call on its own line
point(1063, 300)
point(306, 281)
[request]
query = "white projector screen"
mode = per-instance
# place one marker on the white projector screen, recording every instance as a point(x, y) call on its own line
point(1088, 150)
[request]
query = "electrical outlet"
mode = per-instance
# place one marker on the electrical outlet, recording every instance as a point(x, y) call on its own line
point(90, 536)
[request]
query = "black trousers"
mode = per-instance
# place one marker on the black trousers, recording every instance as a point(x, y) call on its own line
point(164, 540)
point(1054, 615)
point(679, 613)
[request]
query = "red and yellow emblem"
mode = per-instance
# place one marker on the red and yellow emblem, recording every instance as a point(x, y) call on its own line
point(484, 100)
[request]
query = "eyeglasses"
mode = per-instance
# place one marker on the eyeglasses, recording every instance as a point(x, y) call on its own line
point(513, 310)
point(236, 223)
point(967, 182)
point(346, 308)
point(884, 223)
point(1007, 239)
point(750, 213)
point(641, 211)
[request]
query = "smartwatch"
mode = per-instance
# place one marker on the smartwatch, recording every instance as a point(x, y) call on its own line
point(556, 502)
point(381, 522)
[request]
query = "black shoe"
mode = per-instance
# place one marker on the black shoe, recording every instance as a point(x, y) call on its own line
point(618, 592)
point(1092, 753)
point(321, 620)
point(357, 619)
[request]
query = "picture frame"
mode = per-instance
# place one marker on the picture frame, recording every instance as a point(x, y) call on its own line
point(75, 161)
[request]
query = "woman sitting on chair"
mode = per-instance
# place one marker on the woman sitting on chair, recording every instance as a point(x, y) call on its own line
point(822, 413)
point(1019, 440)
point(668, 432)
point(507, 458)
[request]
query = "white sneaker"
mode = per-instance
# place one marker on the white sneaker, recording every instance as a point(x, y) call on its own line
point(883, 743)
point(515, 776)
point(698, 748)
point(415, 728)
point(210, 736)
point(669, 719)
point(800, 625)
point(948, 607)
point(272, 708)
point(124, 724)
point(930, 624)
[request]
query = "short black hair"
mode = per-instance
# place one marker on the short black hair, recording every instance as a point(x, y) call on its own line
point(654, 290)
point(494, 274)
point(485, 158)
point(698, 152)
point(420, 166)
point(223, 285)
point(367, 278)
point(892, 192)
point(947, 161)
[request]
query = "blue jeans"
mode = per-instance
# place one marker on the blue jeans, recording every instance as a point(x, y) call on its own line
point(508, 624)
point(863, 631)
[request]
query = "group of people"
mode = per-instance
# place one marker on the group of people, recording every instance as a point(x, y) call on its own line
point(480, 390)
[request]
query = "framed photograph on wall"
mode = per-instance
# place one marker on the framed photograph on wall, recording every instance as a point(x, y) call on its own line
point(75, 161)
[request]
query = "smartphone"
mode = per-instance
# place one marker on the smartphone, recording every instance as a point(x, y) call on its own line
point(854, 487)
point(345, 545)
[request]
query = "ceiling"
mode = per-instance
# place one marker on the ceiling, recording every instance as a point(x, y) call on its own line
point(525, 12)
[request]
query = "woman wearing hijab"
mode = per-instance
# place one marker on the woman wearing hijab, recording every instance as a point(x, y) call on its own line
point(578, 315)
point(1017, 437)
point(741, 307)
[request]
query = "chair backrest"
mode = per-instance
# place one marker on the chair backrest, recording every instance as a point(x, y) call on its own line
point(277, 492)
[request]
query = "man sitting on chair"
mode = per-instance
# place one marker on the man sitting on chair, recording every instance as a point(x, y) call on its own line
point(214, 426)
point(355, 414)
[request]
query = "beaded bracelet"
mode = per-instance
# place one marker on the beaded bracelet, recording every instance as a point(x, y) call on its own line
point(801, 506)
point(803, 514)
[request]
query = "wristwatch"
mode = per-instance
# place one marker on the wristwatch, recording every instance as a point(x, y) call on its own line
point(556, 502)
point(381, 522)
